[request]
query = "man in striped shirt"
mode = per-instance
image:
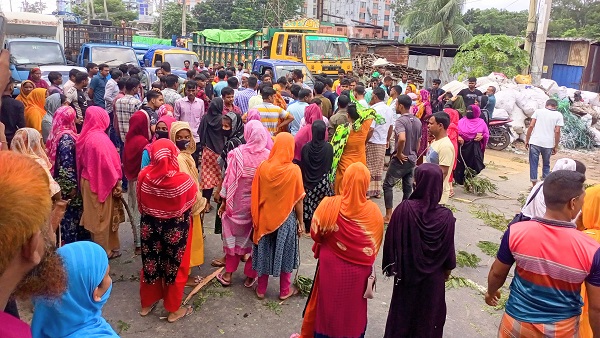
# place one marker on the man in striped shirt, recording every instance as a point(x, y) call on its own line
point(272, 117)
point(553, 259)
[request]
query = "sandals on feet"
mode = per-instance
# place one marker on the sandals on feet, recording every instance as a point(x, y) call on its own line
point(197, 280)
point(149, 311)
point(251, 284)
point(188, 312)
point(293, 292)
point(114, 254)
point(217, 263)
point(259, 296)
point(222, 280)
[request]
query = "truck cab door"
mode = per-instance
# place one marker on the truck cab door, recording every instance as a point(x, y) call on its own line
point(278, 46)
point(85, 56)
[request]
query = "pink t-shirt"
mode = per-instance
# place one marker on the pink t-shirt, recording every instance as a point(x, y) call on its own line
point(12, 327)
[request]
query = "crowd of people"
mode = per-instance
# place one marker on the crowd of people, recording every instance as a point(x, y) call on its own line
point(279, 160)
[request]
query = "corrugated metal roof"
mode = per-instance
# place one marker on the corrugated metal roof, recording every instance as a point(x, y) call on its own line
point(375, 42)
point(591, 41)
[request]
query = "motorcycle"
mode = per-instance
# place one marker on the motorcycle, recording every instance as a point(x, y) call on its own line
point(500, 134)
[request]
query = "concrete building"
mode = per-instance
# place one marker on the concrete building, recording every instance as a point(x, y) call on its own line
point(354, 12)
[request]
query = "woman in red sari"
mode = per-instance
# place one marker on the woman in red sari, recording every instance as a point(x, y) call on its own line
point(453, 135)
point(165, 199)
point(348, 231)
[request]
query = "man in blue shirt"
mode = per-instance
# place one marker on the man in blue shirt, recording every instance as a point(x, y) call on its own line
point(491, 103)
point(221, 84)
point(98, 85)
point(297, 109)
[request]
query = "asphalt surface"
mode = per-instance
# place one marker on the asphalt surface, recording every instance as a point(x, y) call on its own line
point(236, 312)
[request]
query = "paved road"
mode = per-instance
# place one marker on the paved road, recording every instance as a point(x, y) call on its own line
point(236, 312)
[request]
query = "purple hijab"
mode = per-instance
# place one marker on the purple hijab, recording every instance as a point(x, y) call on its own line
point(468, 128)
point(420, 237)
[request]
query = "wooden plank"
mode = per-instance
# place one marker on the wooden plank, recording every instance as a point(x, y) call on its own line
point(200, 285)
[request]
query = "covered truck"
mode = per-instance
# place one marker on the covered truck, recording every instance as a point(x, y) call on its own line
point(299, 41)
point(99, 43)
point(34, 40)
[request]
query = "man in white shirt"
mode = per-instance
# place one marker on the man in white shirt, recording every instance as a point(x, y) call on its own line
point(378, 142)
point(542, 138)
point(404, 83)
point(111, 90)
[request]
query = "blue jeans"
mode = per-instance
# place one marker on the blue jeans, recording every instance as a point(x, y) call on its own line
point(534, 159)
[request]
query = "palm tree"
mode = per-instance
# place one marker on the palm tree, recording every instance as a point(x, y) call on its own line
point(441, 22)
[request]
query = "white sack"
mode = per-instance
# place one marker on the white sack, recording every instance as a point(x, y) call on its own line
point(518, 121)
point(454, 87)
point(501, 114)
point(531, 98)
point(548, 84)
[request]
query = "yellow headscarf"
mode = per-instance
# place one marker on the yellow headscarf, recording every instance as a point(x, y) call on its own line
point(22, 97)
point(187, 163)
point(35, 110)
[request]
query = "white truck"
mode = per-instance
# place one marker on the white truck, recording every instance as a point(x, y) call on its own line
point(34, 40)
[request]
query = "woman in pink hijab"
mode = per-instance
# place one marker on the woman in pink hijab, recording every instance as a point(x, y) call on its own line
point(99, 170)
point(254, 115)
point(473, 135)
point(312, 113)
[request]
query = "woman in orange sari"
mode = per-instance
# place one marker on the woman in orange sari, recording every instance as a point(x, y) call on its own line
point(589, 222)
point(348, 231)
point(27, 87)
point(355, 148)
point(35, 110)
point(276, 208)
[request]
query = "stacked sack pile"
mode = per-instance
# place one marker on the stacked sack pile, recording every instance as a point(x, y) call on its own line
point(519, 101)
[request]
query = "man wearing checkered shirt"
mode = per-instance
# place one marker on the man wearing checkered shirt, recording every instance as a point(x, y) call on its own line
point(126, 106)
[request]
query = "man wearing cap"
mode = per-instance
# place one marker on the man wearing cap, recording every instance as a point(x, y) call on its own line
point(471, 93)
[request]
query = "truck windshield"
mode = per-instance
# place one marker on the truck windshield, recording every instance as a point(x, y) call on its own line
point(37, 53)
point(113, 56)
point(327, 48)
point(287, 70)
point(176, 59)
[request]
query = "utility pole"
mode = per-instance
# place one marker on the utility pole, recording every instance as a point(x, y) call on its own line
point(320, 10)
point(160, 19)
point(93, 11)
point(183, 17)
point(89, 15)
point(537, 62)
point(105, 10)
point(530, 33)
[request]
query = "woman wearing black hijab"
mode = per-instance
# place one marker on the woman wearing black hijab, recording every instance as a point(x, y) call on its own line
point(317, 156)
point(212, 142)
point(419, 252)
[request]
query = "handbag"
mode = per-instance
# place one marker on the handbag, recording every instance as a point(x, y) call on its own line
point(520, 217)
point(371, 285)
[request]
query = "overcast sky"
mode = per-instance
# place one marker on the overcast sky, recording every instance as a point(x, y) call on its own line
point(511, 5)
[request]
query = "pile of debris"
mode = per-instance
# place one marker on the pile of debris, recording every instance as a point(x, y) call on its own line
point(519, 101)
point(370, 62)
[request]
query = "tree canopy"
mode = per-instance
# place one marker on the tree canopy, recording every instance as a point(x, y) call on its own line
point(33, 7)
point(496, 21)
point(575, 18)
point(248, 14)
point(433, 21)
point(488, 53)
point(171, 16)
point(116, 11)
